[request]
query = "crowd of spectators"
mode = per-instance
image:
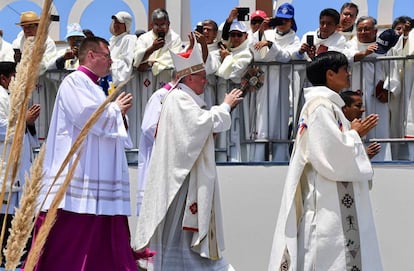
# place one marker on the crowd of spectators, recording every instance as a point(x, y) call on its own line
point(229, 49)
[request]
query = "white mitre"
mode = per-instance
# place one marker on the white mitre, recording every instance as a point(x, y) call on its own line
point(188, 65)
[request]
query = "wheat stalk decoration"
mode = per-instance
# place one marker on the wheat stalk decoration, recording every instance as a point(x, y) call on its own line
point(23, 221)
point(29, 70)
point(17, 88)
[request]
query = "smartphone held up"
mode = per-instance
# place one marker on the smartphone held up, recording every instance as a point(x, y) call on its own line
point(199, 29)
point(309, 40)
point(161, 35)
point(243, 13)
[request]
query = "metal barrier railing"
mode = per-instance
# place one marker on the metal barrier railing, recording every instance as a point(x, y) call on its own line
point(264, 125)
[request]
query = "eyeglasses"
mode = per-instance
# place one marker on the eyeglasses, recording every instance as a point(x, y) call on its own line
point(105, 55)
point(236, 34)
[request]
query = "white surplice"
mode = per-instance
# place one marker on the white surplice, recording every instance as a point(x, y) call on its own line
point(100, 184)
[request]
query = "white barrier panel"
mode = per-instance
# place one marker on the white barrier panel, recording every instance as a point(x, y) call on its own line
point(251, 196)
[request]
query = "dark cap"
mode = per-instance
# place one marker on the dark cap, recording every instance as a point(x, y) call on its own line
point(7, 67)
point(386, 40)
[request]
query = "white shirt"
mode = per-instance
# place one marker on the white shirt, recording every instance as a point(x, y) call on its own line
point(48, 57)
point(122, 53)
point(161, 57)
point(6, 51)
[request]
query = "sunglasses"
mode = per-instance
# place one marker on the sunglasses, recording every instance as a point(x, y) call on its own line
point(236, 34)
point(256, 21)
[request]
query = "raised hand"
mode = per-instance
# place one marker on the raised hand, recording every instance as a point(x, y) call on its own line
point(373, 149)
point(32, 114)
point(124, 101)
point(233, 98)
point(363, 126)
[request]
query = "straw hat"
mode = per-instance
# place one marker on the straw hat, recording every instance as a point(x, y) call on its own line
point(29, 17)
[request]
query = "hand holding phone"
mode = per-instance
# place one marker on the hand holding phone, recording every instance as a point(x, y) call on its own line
point(199, 29)
point(221, 45)
point(243, 14)
point(161, 35)
point(309, 40)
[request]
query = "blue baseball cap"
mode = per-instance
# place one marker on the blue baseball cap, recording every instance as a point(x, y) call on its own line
point(287, 11)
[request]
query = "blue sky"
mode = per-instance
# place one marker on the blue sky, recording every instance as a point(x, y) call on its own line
point(97, 15)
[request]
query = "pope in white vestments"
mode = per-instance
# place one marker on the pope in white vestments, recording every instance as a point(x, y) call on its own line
point(181, 214)
point(325, 220)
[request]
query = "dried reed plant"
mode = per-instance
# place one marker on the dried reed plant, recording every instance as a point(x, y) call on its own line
point(17, 88)
point(23, 221)
point(25, 83)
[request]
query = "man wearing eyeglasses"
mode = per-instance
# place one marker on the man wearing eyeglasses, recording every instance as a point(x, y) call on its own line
point(349, 13)
point(152, 47)
point(91, 230)
point(364, 46)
